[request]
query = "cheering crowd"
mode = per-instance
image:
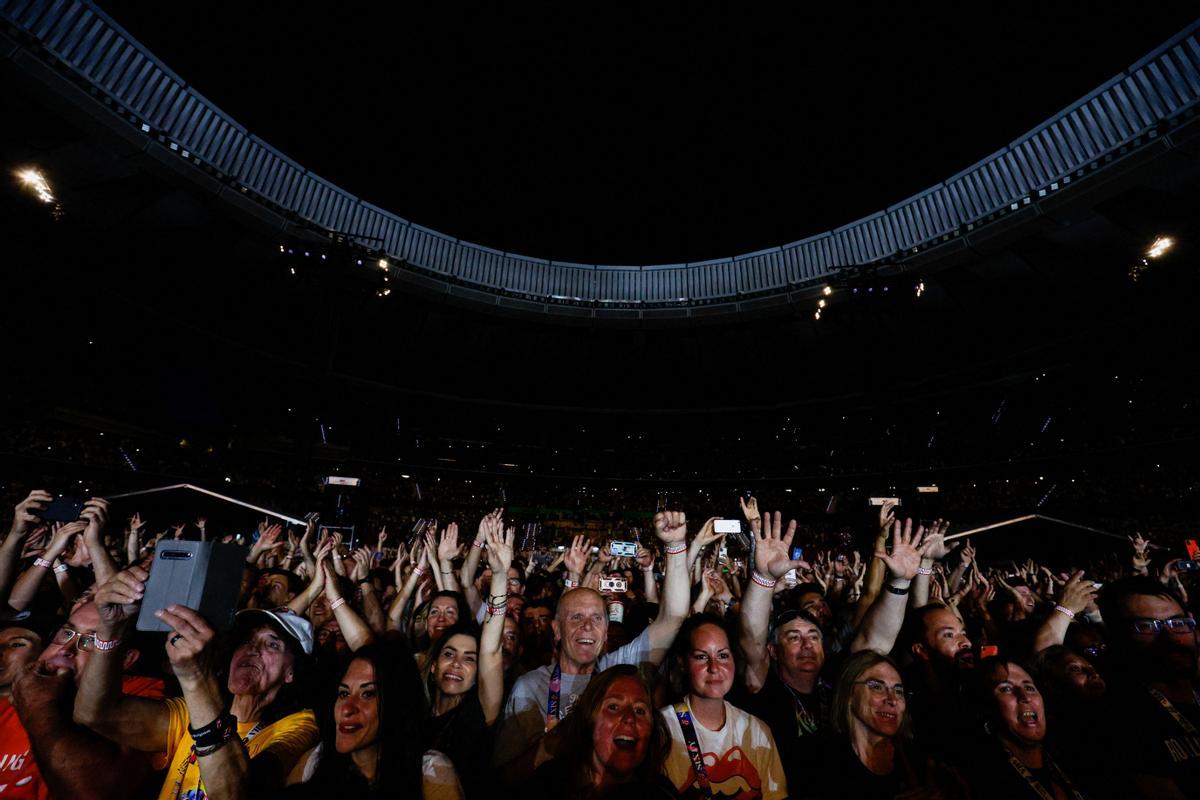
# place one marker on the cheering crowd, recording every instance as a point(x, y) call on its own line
point(463, 666)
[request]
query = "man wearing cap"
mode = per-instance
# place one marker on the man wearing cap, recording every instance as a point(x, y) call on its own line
point(230, 752)
point(783, 660)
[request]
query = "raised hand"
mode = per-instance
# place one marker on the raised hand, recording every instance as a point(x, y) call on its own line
point(670, 526)
point(749, 508)
point(645, 559)
point(772, 548)
point(25, 514)
point(968, 554)
point(95, 513)
point(905, 558)
point(934, 546)
point(887, 517)
point(60, 538)
point(117, 599)
point(448, 548)
point(1141, 554)
point(576, 556)
point(1077, 593)
point(189, 647)
point(362, 564)
point(707, 534)
point(500, 548)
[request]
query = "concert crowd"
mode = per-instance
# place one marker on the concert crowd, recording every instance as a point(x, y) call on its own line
point(469, 661)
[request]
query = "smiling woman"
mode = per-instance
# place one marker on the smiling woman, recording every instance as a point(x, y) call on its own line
point(717, 750)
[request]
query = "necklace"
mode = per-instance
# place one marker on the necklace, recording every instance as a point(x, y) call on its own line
point(806, 723)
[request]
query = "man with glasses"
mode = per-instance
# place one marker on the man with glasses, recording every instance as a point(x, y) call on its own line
point(45, 754)
point(1154, 653)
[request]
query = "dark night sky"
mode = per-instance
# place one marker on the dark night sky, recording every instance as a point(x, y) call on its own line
point(621, 135)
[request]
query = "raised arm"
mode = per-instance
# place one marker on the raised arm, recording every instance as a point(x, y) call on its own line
point(474, 553)
point(772, 546)
point(704, 537)
point(645, 560)
point(300, 603)
point(354, 630)
point(30, 580)
point(491, 655)
point(405, 591)
point(360, 574)
point(25, 519)
point(447, 551)
point(1074, 597)
point(932, 549)
point(883, 619)
point(95, 513)
point(876, 571)
point(100, 704)
point(671, 529)
point(225, 772)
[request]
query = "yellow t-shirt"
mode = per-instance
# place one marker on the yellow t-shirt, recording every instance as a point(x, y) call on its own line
point(286, 739)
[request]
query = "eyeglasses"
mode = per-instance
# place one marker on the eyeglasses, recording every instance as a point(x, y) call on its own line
point(879, 688)
point(64, 636)
point(1176, 625)
point(514, 581)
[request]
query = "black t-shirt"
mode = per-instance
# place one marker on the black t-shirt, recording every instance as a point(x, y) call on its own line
point(991, 776)
point(799, 723)
point(1150, 741)
point(464, 737)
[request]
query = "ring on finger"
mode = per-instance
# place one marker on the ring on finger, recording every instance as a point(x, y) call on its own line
point(175, 639)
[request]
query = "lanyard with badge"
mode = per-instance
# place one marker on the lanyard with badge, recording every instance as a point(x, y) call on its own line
point(190, 758)
point(554, 700)
point(693, 747)
point(1037, 785)
point(1170, 708)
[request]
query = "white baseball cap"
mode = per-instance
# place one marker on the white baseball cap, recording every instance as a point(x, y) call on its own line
point(294, 625)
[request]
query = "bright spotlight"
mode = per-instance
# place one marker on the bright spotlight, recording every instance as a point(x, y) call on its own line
point(1160, 247)
point(383, 263)
point(817, 315)
point(37, 183)
point(828, 290)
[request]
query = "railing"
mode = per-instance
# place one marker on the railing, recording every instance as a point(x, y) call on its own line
point(1128, 112)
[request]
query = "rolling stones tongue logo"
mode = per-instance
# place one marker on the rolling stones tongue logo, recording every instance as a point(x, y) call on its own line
point(732, 775)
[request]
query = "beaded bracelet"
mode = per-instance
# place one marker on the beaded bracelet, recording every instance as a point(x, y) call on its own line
point(766, 583)
point(675, 549)
point(336, 604)
point(924, 571)
point(1065, 611)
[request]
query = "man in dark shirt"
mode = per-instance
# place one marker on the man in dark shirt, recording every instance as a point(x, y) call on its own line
point(783, 665)
point(1154, 651)
point(942, 663)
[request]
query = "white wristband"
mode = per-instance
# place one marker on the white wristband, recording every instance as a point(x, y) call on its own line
point(1068, 613)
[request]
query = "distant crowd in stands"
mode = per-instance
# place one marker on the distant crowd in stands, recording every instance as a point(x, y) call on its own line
point(455, 663)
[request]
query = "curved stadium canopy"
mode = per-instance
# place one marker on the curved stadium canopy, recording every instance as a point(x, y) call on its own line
point(1137, 114)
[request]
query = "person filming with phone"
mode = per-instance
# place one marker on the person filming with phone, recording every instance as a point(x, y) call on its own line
point(235, 740)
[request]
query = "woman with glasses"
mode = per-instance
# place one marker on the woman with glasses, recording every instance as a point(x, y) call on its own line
point(716, 748)
point(1017, 764)
point(872, 755)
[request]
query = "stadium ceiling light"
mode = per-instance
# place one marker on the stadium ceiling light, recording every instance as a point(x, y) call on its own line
point(383, 263)
point(1160, 247)
point(36, 182)
point(828, 290)
point(920, 288)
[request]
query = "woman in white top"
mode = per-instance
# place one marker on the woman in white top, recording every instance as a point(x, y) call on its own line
point(717, 750)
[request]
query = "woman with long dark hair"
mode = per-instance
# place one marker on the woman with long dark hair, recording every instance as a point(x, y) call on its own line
point(465, 676)
point(612, 744)
point(1017, 765)
point(374, 734)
